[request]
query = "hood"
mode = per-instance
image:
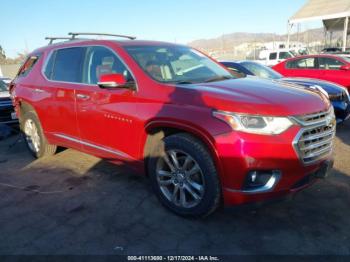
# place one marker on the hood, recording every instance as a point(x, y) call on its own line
point(329, 87)
point(259, 96)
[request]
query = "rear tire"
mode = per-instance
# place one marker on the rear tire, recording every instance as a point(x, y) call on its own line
point(34, 137)
point(184, 177)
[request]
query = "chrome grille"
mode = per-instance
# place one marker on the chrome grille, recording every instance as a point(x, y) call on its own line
point(315, 139)
point(315, 118)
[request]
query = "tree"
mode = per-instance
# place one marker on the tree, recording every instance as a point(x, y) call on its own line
point(2, 55)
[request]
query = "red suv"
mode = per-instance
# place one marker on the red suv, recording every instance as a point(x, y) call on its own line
point(177, 116)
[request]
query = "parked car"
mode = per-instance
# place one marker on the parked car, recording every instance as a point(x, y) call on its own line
point(7, 112)
point(5, 80)
point(331, 50)
point(338, 95)
point(333, 68)
point(273, 57)
point(177, 116)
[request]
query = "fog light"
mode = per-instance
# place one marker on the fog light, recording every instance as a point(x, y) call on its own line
point(261, 181)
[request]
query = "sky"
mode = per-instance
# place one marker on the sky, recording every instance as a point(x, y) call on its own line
point(25, 23)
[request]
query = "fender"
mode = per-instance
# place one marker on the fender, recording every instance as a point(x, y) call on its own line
point(197, 132)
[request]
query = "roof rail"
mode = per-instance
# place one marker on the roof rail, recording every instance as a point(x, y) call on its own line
point(101, 34)
point(57, 38)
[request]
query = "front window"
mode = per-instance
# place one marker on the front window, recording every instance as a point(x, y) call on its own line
point(101, 61)
point(261, 71)
point(327, 63)
point(177, 64)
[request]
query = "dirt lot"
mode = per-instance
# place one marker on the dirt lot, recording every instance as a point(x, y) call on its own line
point(73, 203)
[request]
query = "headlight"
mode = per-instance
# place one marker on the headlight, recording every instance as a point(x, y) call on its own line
point(320, 89)
point(264, 125)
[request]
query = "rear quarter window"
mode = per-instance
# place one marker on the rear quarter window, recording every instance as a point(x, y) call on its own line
point(28, 65)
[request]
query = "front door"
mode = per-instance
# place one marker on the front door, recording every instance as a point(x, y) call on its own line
point(330, 68)
point(104, 115)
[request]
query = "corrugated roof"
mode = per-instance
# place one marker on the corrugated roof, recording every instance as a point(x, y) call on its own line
point(322, 10)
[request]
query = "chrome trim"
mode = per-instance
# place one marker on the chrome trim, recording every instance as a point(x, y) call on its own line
point(268, 187)
point(327, 115)
point(327, 135)
point(48, 56)
point(116, 152)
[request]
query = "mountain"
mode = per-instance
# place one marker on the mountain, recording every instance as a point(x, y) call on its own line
point(229, 41)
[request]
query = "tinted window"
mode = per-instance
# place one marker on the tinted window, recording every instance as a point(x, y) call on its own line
point(284, 55)
point(49, 66)
point(261, 71)
point(175, 64)
point(3, 86)
point(327, 63)
point(67, 64)
point(101, 61)
point(28, 65)
point(273, 56)
point(236, 70)
point(304, 63)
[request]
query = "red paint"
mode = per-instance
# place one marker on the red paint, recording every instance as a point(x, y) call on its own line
point(118, 79)
point(341, 76)
point(119, 119)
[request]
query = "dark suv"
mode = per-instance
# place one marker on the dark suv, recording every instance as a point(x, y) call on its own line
point(169, 111)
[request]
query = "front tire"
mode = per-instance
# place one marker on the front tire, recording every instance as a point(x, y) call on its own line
point(184, 177)
point(34, 137)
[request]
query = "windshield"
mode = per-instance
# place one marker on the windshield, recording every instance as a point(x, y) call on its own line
point(346, 58)
point(261, 71)
point(177, 64)
point(3, 86)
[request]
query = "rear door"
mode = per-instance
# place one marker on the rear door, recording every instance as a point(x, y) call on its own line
point(63, 74)
point(302, 67)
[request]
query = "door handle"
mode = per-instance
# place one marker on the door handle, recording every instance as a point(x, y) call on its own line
point(38, 90)
point(82, 96)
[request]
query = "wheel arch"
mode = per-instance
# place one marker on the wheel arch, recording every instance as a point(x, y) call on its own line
point(157, 130)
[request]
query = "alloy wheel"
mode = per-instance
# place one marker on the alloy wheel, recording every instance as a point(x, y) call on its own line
point(180, 179)
point(32, 135)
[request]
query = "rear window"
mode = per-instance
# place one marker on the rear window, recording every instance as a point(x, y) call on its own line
point(28, 65)
point(66, 65)
point(304, 63)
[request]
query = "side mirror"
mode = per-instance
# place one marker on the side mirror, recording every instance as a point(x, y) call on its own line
point(112, 81)
point(345, 67)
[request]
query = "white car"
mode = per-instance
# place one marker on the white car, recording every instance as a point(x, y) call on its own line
point(273, 57)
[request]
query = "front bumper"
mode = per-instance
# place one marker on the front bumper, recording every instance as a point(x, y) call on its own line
point(240, 153)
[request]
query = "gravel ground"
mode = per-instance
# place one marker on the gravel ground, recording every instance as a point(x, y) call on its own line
point(74, 203)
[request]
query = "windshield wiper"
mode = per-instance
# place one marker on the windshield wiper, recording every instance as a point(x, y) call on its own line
point(217, 78)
